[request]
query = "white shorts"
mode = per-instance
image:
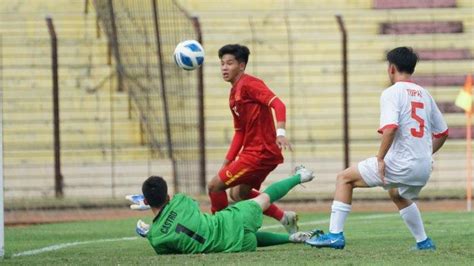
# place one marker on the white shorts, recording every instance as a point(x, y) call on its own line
point(368, 169)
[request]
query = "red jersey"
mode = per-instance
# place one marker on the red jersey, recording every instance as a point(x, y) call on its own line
point(249, 102)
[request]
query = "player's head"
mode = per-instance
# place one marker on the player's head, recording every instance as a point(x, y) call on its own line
point(234, 59)
point(402, 60)
point(155, 191)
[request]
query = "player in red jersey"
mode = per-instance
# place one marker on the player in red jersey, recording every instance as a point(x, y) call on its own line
point(255, 150)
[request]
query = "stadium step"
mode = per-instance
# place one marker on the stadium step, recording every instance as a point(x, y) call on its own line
point(439, 80)
point(313, 81)
point(390, 4)
point(459, 132)
point(249, 6)
point(421, 27)
point(87, 104)
point(444, 54)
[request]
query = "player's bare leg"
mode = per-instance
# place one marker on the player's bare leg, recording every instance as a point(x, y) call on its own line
point(240, 192)
point(347, 180)
point(412, 217)
point(399, 201)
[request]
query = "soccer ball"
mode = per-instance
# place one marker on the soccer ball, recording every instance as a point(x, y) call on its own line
point(189, 55)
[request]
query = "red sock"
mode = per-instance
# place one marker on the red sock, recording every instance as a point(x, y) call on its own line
point(272, 211)
point(218, 200)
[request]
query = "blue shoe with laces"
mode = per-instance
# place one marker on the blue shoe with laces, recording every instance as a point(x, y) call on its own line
point(426, 244)
point(330, 240)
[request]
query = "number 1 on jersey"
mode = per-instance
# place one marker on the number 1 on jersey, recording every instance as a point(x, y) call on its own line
point(418, 133)
point(183, 229)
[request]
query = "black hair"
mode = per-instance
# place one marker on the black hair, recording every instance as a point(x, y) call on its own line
point(404, 58)
point(155, 191)
point(240, 52)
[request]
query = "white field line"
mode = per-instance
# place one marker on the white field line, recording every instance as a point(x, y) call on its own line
point(72, 244)
point(370, 217)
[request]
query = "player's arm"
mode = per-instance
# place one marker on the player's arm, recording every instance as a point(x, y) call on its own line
point(234, 147)
point(439, 126)
point(237, 141)
point(280, 114)
point(389, 117)
point(388, 135)
point(438, 141)
point(261, 93)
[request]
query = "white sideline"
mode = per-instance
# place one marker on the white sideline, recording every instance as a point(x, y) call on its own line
point(72, 244)
point(375, 216)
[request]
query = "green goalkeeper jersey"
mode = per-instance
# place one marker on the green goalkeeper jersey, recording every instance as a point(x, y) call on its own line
point(181, 227)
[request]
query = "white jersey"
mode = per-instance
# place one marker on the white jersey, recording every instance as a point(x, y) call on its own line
point(412, 110)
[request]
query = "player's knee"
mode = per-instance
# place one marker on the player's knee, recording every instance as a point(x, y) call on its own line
point(396, 198)
point(342, 178)
point(400, 202)
point(235, 196)
point(215, 185)
point(212, 187)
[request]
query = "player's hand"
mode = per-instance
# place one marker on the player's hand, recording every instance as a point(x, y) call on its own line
point(283, 143)
point(381, 169)
point(142, 228)
point(138, 202)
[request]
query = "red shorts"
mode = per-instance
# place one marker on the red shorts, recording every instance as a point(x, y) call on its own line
point(238, 172)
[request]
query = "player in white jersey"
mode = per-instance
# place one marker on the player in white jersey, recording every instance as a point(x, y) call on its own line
point(412, 129)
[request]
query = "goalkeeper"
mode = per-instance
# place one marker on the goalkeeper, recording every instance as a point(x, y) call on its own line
point(179, 226)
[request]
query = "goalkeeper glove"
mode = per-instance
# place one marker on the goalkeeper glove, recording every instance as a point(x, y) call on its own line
point(138, 201)
point(142, 228)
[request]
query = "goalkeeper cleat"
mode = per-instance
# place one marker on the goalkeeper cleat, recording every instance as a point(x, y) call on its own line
point(142, 228)
point(330, 240)
point(301, 237)
point(138, 201)
point(426, 244)
point(290, 222)
point(306, 175)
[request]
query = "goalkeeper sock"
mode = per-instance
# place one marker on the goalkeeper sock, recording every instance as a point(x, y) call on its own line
point(265, 239)
point(218, 200)
point(273, 211)
point(279, 189)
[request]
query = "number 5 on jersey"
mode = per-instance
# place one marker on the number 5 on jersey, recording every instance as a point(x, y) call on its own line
point(417, 133)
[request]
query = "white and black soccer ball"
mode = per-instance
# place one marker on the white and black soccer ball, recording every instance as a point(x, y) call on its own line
point(189, 54)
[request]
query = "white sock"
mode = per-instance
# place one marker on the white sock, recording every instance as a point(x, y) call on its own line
point(339, 212)
point(412, 218)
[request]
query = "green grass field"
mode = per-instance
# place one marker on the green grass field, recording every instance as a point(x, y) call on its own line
point(371, 238)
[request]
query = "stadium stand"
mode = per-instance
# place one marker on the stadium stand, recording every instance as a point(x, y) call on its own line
point(313, 94)
point(295, 48)
point(95, 124)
